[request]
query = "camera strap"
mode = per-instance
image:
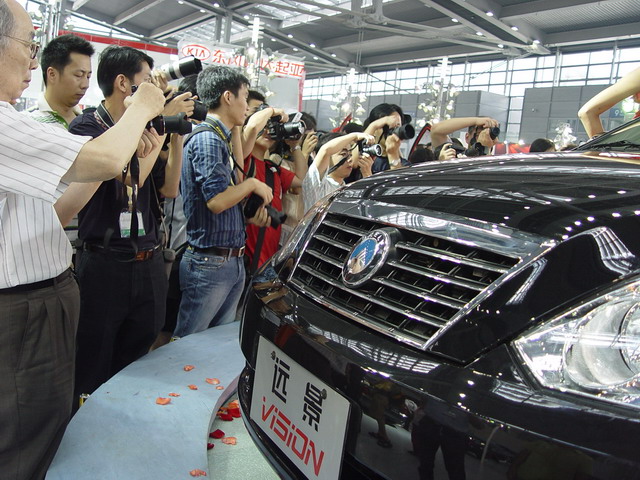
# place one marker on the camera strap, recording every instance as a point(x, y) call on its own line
point(211, 127)
point(269, 178)
point(133, 167)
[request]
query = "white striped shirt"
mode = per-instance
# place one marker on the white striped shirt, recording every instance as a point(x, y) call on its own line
point(33, 159)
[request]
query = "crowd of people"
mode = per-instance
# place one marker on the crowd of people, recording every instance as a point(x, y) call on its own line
point(216, 196)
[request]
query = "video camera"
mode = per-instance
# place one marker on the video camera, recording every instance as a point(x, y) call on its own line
point(254, 202)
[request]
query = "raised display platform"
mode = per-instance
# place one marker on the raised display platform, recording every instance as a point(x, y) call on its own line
point(121, 433)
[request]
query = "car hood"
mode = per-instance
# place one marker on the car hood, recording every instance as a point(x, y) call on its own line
point(554, 195)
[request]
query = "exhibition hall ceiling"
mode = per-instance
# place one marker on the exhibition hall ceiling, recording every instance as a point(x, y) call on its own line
point(334, 35)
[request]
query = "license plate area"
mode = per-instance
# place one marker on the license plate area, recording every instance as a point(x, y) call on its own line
point(302, 415)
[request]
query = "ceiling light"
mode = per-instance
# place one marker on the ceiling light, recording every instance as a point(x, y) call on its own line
point(500, 45)
point(315, 58)
point(295, 49)
point(273, 39)
point(454, 20)
point(289, 35)
point(180, 2)
point(479, 34)
point(536, 42)
point(216, 5)
point(489, 13)
point(202, 10)
point(333, 55)
point(514, 28)
point(246, 17)
point(312, 45)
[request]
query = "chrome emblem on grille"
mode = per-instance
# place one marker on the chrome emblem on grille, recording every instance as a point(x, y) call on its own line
point(366, 258)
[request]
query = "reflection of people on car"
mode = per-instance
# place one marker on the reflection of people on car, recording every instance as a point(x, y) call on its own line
point(382, 392)
point(437, 425)
point(542, 460)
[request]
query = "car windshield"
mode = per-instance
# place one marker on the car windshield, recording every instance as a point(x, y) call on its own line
point(624, 138)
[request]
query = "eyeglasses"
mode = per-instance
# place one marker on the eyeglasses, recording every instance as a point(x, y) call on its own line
point(34, 46)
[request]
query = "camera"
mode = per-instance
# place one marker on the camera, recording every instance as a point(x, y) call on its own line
point(179, 124)
point(285, 131)
point(494, 132)
point(182, 68)
point(199, 109)
point(371, 150)
point(404, 132)
point(475, 148)
point(254, 202)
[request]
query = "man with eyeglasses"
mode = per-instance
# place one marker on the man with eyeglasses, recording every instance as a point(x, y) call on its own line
point(39, 298)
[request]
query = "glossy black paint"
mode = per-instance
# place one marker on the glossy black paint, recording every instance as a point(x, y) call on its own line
point(466, 408)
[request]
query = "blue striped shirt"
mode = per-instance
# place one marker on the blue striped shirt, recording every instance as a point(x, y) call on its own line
point(206, 172)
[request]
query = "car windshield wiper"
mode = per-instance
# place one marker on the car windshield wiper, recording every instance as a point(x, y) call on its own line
point(624, 144)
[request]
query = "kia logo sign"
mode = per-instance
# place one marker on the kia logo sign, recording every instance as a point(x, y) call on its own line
point(199, 51)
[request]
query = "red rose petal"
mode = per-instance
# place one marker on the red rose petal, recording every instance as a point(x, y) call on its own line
point(174, 394)
point(210, 446)
point(217, 434)
point(219, 387)
point(212, 381)
point(226, 417)
point(193, 387)
point(234, 412)
point(229, 440)
point(188, 368)
point(234, 404)
point(163, 401)
point(198, 473)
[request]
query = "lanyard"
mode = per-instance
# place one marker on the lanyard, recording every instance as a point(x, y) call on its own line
point(232, 161)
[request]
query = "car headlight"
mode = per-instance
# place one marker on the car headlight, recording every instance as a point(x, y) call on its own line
point(592, 350)
point(300, 234)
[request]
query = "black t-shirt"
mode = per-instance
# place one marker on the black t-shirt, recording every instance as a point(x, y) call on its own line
point(103, 210)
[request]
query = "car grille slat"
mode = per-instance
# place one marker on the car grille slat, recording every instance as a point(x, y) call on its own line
point(423, 285)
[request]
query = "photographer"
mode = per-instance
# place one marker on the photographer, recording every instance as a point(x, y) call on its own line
point(264, 240)
point(39, 298)
point(332, 165)
point(387, 123)
point(212, 271)
point(481, 137)
point(122, 280)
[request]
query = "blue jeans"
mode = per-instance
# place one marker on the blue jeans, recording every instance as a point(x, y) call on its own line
point(211, 288)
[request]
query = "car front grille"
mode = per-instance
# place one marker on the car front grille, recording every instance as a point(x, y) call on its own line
point(429, 280)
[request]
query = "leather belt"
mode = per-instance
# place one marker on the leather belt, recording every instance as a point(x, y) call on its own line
point(122, 254)
point(29, 287)
point(220, 251)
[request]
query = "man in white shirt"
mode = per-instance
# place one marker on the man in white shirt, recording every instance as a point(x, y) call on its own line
point(39, 299)
point(331, 166)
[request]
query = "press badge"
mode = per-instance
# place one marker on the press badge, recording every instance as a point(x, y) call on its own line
point(125, 224)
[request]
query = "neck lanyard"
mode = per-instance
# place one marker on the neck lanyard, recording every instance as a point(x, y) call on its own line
point(232, 160)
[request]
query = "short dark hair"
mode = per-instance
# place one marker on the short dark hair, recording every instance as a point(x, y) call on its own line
point(309, 120)
point(213, 81)
point(57, 53)
point(188, 84)
point(352, 127)
point(382, 110)
point(541, 145)
point(116, 60)
point(256, 95)
point(327, 137)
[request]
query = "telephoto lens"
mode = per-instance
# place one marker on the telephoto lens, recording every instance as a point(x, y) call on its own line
point(182, 68)
point(179, 124)
point(404, 132)
point(494, 132)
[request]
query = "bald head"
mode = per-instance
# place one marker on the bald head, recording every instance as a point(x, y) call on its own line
point(7, 22)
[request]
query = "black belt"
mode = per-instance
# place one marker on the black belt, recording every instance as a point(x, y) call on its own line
point(29, 287)
point(122, 254)
point(220, 251)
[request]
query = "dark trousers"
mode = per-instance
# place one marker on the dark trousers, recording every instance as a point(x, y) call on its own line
point(37, 351)
point(122, 309)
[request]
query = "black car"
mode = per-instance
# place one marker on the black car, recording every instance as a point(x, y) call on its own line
point(464, 319)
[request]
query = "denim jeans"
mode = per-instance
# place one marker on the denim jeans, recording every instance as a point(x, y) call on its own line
point(211, 288)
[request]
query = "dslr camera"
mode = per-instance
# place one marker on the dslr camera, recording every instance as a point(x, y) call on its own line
point(283, 131)
point(476, 149)
point(179, 124)
point(254, 202)
point(371, 150)
point(182, 68)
